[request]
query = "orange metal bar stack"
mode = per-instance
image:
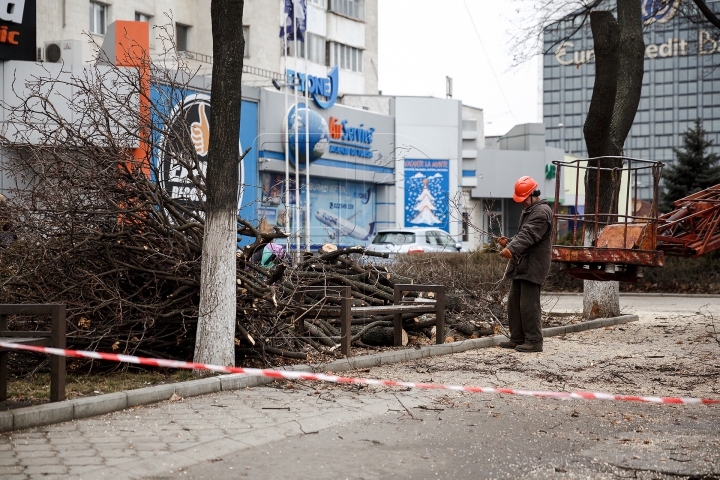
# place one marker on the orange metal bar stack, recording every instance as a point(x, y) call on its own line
point(693, 228)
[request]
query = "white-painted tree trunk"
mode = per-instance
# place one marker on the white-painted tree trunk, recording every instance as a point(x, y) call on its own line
point(600, 299)
point(216, 323)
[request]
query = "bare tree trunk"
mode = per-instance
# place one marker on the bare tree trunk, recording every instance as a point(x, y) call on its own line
point(619, 50)
point(216, 322)
point(631, 71)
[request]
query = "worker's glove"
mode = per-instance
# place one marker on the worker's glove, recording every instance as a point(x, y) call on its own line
point(503, 241)
point(506, 253)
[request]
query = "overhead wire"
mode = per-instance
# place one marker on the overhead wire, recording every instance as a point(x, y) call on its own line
point(487, 57)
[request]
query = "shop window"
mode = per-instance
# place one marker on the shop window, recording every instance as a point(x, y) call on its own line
point(98, 18)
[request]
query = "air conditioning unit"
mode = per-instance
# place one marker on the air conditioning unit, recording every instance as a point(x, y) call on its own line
point(62, 51)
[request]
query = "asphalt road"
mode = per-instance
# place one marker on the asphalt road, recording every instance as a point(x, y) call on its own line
point(646, 306)
point(470, 436)
point(495, 438)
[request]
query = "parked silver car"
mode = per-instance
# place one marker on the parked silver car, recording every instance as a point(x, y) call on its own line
point(413, 240)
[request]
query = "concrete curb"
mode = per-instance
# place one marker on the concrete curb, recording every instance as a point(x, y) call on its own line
point(50, 413)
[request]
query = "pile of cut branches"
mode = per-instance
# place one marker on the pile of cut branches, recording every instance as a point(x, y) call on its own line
point(107, 217)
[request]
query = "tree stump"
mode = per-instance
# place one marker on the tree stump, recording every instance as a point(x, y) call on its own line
point(327, 248)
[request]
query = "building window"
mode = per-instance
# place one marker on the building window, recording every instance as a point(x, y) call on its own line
point(321, 3)
point(346, 57)
point(181, 37)
point(246, 37)
point(98, 18)
point(315, 46)
point(141, 17)
point(466, 227)
point(349, 8)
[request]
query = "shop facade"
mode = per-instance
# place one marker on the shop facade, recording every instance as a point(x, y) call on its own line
point(351, 178)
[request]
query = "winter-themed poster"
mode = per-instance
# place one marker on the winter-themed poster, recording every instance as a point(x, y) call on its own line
point(427, 183)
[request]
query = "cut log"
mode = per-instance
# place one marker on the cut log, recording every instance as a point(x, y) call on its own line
point(382, 337)
point(328, 248)
point(466, 328)
point(471, 329)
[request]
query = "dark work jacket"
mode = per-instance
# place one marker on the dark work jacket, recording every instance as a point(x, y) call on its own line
point(531, 247)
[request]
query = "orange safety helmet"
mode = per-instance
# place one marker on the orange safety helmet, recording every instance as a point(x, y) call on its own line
point(524, 187)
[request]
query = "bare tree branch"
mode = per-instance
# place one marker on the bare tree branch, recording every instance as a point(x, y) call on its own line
point(709, 14)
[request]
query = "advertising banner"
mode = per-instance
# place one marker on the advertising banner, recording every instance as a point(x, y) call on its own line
point(341, 212)
point(185, 128)
point(427, 183)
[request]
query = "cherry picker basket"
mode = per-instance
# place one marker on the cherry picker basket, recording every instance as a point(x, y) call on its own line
point(602, 232)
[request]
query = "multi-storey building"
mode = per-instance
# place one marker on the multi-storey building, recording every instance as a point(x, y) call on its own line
point(681, 83)
point(339, 32)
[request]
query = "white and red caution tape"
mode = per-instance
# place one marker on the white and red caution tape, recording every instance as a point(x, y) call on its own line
point(292, 375)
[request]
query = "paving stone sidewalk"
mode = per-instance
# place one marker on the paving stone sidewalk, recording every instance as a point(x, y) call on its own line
point(166, 437)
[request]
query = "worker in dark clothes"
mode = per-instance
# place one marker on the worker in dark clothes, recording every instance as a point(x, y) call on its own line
point(529, 252)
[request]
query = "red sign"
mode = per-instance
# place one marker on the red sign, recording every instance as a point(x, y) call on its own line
point(18, 30)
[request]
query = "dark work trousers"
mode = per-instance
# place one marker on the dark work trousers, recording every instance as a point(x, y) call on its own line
point(524, 313)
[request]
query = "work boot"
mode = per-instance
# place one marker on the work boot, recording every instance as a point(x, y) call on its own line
point(508, 344)
point(529, 348)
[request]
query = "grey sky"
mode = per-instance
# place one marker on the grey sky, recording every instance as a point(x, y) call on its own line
point(422, 41)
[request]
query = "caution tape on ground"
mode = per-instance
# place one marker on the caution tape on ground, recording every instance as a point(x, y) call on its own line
point(293, 375)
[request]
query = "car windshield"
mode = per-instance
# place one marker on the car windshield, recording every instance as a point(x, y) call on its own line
point(394, 238)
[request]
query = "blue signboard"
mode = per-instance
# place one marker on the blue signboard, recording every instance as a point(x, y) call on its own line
point(338, 136)
point(427, 183)
point(341, 212)
point(182, 121)
point(323, 90)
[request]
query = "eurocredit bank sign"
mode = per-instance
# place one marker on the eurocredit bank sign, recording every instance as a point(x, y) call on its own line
point(17, 29)
point(324, 90)
point(653, 12)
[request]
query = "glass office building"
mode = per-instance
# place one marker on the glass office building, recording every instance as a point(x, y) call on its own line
point(681, 83)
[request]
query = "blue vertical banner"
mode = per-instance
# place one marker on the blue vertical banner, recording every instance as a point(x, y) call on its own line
point(250, 182)
point(295, 10)
point(427, 183)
